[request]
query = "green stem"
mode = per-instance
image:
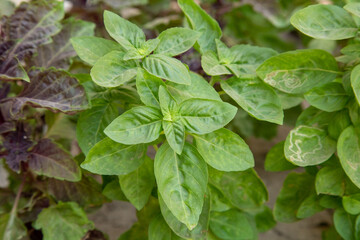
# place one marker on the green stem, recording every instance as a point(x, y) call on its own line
point(18, 195)
point(221, 93)
point(155, 147)
point(213, 80)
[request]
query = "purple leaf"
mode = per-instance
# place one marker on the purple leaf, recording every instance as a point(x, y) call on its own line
point(30, 26)
point(52, 89)
point(47, 158)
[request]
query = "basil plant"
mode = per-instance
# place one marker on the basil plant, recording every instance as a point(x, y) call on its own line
point(156, 130)
point(326, 138)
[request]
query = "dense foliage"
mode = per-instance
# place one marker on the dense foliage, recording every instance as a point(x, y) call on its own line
point(164, 115)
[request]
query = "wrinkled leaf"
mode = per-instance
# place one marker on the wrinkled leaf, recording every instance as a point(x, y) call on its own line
point(57, 53)
point(30, 26)
point(64, 221)
point(59, 92)
point(47, 158)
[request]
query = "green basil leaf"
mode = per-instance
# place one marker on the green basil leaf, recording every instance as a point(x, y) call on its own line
point(182, 190)
point(159, 230)
point(111, 70)
point(297, 187)
point(147, 86)
point(344, 224)
point(255, 97)
point(348, 148)
point(219, 203)
point(211, 64)
point(298, 71)
point(113, 191)
point(202, 116)
point(351, 50)
point(88, 48)
point(265, 220)
point(353, 7)
point(330, 180)
point(64, 221)
point(168, 105)
point(199, 88)
point(309, 207)
point(246, 59)
point(355, 82)
point(329, 97)
point(339, 122)
point(235, 187)
point(275, 160)
point(232, 224)
point(314, 117)
point(224, 150)
point(137, 185)
point(199, 232)
point(111, 158)
point(325, 22)
point(307, 146)
point(145, 49)
point(124, 32)
point(11, 227)
point(167, 68)
point(351, 204)
point(175, 134)
point(201, 22)
point(91, 124)
point(137, 125)
point(175, 41)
